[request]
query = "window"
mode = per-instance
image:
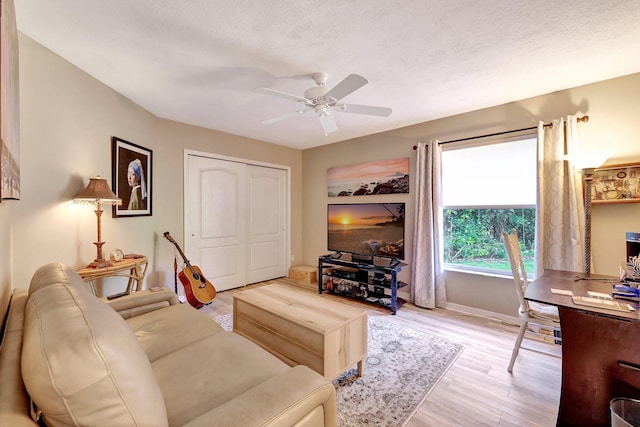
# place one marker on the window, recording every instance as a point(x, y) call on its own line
point(488, 189)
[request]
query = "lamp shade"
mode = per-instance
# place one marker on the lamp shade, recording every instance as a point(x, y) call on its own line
point(98, 191)
point(588, 159)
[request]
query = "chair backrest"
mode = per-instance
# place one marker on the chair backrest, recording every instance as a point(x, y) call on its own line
point(512, 245)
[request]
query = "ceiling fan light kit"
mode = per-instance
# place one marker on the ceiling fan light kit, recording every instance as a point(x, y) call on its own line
point(323, 102)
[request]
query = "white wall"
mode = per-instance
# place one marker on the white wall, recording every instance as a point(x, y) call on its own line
point(611, 105)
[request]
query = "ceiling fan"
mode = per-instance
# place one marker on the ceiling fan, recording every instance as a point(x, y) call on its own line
point(324, 102)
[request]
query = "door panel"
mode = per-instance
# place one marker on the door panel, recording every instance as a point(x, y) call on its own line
point(215, 234)
point(224, 261)
point(265, 255)
point(218, 198)
point(267, 223)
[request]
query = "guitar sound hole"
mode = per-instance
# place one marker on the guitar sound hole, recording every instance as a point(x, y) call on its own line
point(203, 283)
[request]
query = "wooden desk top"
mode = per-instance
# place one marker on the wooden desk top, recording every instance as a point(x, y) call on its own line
point(540, 291)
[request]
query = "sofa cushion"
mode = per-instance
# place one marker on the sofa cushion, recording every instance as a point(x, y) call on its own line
point(298, 397)
point(210, 372)
point(81, 363)
point(163, 331)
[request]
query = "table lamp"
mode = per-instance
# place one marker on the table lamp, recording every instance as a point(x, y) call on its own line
point(587, 161)
point(98, 193)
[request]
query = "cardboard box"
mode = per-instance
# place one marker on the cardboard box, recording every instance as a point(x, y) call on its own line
point(304, 273)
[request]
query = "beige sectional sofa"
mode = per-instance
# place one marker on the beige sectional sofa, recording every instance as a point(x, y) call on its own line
point(71, 359)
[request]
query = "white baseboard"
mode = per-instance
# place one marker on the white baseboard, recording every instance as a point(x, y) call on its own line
point(404, 295)
point(483, 313)
point(515, 320)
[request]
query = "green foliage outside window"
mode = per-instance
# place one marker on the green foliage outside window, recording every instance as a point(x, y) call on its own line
point(473, 237)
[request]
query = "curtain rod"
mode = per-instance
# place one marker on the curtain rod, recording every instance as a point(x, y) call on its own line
point(580, 119)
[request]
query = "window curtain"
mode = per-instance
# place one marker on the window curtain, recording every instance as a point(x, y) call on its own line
point(560, 216)
point(428, 290)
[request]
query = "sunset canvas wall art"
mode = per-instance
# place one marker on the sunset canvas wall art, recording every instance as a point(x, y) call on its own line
point(380, 177)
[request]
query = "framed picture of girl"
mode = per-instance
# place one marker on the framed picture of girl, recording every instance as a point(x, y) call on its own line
point(131, 168)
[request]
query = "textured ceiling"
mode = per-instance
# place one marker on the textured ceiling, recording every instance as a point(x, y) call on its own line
point(201, 61)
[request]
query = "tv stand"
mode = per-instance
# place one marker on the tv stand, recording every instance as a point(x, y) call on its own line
point(376, 282)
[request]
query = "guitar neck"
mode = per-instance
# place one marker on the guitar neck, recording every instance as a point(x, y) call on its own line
point(184, 258)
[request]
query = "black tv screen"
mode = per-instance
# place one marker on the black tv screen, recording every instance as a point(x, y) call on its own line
point(366, 228)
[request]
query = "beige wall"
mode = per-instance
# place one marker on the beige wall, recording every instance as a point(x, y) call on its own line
point(67, 120)
point(315, 199)
point(174, 137)
point(612, 106)
point(5, 256)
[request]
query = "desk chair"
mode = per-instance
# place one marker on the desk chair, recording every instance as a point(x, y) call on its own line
point(529, 312)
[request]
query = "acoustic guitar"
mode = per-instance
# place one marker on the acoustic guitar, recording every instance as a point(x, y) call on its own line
point(198, 290)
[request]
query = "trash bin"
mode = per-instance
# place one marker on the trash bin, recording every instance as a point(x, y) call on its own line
point(625, 412)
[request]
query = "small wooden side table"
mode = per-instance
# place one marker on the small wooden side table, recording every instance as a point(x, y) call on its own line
point(137, 269)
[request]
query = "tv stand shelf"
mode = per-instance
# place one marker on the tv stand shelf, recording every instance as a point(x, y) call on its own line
point(377, 284)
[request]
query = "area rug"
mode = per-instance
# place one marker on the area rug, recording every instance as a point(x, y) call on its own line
point(402, 367)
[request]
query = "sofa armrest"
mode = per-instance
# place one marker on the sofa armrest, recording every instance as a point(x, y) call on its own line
point(299, 397)
point(142, 302)
point(14, 400)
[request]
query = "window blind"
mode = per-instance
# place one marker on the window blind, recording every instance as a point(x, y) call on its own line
point(498, 175)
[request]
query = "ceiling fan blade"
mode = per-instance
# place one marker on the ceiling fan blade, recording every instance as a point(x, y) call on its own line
point(284, 116)
point(284, 95)
point(366, 109)
point(328, 123)
point(351, 83)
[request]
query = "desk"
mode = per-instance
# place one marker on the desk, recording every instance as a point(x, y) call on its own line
point(600, 348)
point(137, 268)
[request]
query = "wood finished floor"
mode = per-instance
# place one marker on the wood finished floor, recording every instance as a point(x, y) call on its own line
point(477, 390)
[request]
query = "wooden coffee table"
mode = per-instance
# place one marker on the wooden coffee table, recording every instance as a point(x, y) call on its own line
point(302, 328)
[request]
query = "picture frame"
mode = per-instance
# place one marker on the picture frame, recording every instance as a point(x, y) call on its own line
point(616, 184)
point(390, 176)
point(132, 167)
point(9, 104)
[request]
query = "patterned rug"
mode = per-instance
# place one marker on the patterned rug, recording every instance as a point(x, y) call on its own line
point(402, 367)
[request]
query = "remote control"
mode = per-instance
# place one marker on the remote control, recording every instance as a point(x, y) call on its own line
point(118, 295)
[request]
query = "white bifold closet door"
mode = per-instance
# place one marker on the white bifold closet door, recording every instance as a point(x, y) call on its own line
point(236, 218)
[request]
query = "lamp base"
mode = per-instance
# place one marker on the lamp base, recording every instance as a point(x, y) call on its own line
point(100, 263)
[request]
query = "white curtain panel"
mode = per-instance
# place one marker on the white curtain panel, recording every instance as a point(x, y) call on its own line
point(560, 216)
point(428, 290)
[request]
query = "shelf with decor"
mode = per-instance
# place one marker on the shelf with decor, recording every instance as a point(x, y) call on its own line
point(366, 278)
point(616, 184)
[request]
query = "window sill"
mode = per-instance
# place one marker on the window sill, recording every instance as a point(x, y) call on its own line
point(485, 273)
point(505, 275)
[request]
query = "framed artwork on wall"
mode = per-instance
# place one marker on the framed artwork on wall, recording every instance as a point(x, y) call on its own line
point(616, 184)
point(131, 178)
point(9, 104)
point(380, 177)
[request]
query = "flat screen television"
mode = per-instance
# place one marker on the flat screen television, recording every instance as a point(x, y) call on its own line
point(366, 229)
